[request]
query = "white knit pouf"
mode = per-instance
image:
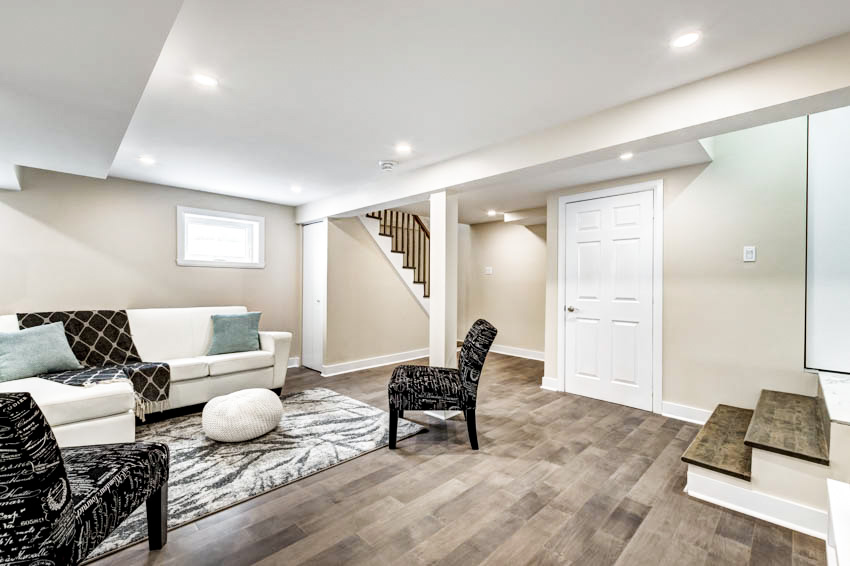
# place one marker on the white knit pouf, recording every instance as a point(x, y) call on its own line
point(242, 415)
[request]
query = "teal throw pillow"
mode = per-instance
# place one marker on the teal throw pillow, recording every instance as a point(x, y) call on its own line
point(235, 333)
point(35, 351)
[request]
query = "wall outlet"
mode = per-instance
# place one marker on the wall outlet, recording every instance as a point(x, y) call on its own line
point(749, 253)
point(488, 270)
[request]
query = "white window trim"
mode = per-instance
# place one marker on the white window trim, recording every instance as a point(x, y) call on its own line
point(181, 239)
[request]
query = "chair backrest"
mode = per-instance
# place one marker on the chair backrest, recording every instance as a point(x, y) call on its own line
point(36, 510)
point(475, 347)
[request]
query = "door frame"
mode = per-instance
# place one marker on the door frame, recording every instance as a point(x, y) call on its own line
point(323, 292)
point(657, 188)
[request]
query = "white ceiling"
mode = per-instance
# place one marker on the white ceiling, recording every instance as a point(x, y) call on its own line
point(71, 74)
point(528, 188)
point(314, 93)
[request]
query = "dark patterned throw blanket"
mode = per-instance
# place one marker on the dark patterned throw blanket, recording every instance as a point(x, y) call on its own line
point(102, 342)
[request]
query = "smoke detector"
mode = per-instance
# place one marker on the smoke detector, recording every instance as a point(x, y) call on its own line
point(387, 165)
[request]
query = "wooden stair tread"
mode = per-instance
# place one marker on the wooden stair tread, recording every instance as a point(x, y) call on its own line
point(719, 446)
point(789, 424)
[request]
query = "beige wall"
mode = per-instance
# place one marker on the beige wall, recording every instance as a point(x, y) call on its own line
point(513, 297)
point(730, 328)
point(371, 312)
point(70, 242)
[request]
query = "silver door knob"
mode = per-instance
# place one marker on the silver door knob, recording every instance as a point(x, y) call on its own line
point(571, 309)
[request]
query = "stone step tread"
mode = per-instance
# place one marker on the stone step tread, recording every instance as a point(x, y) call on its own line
point(789, 424)
point(719, 446)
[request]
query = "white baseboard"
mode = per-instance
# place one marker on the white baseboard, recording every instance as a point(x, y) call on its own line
point(517, 352)
point(377, 361)
point(294, 362)
point(685, 413)
point(551, 384)
point(739, 496)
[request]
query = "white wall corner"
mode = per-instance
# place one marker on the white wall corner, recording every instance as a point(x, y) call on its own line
point(551, 384)
point(10, 177)
point(294, 362)
point(708, 146)
point(384, 243)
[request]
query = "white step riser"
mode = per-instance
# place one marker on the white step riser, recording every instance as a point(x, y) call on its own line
point(741, 496)
point(790, 478)
point(373, 226)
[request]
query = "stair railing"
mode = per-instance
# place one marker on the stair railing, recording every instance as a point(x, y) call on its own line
point(410, 237)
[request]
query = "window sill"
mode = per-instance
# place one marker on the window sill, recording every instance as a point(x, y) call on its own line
point(191, 263)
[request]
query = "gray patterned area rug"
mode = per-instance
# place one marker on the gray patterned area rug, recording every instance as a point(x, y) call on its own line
point(319, 429)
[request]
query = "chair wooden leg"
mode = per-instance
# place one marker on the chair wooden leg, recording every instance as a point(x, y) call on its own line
point(157, 510)
point(470, 426)
point(393, 426)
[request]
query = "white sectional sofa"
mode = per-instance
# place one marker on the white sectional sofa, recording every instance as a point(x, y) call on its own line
point(103, 413)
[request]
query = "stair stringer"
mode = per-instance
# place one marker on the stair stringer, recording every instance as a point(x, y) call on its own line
point(384, 243)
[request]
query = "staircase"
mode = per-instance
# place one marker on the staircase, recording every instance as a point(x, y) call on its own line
point(406, 242)
point(771, 462)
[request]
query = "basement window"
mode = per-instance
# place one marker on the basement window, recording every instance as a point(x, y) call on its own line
point(210, 238)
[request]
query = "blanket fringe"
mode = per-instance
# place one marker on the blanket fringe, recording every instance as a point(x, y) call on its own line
point(144, 408)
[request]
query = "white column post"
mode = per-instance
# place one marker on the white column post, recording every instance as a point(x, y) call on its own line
point(443, 300)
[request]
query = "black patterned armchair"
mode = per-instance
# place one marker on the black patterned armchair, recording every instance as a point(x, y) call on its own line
point(56, 505)
point(426, 388)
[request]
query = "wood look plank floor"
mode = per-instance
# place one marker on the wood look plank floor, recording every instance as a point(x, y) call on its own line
point(559, 479)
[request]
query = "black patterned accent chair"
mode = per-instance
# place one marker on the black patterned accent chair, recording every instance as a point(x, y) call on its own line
point(56, 505)
point(426, 388)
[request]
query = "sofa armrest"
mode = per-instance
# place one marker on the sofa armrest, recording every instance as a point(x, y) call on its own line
point(278, 343)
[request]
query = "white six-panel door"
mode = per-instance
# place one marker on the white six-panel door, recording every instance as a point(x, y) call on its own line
point(608, 298)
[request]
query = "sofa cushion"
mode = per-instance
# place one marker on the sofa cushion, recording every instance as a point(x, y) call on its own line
point(239, 361)
point(174, 333)
point(188, 368)
point(63, 404)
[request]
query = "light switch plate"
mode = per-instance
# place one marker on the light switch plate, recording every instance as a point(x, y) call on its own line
point(488, 270)
point(749, 253)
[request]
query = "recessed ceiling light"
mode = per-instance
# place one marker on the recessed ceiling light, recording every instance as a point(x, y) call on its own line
point(685, 40)
point(205, 80)
point(403, 148)
point(147, 159)
point(626, 156)
point(491, 212)
point(296, 189)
